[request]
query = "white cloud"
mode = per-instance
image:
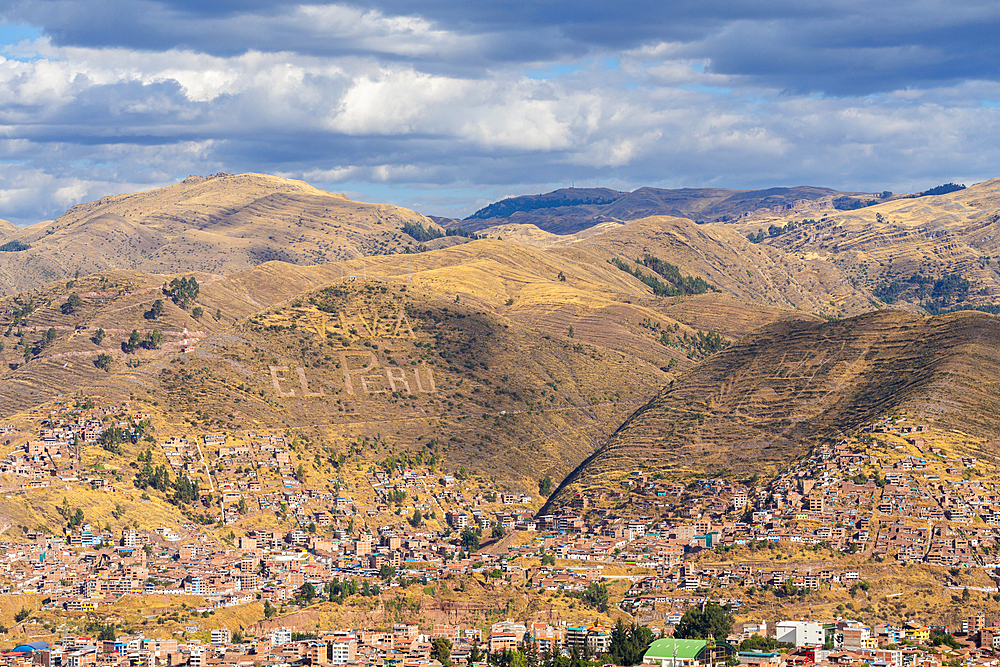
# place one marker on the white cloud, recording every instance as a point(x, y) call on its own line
point(84, 122)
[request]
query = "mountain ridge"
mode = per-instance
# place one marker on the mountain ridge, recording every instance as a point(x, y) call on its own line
point(570, 210)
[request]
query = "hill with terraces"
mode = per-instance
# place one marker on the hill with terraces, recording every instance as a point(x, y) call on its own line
point(760, 405)
point(655, 342)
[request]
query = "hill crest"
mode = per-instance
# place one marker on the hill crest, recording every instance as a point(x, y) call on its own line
point(217, 224)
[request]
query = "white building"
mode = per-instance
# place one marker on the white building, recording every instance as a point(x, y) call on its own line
point(221, 637)
point(800, 633)
point(342, 650)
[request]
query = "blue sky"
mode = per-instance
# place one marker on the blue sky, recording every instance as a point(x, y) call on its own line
point(446, 105)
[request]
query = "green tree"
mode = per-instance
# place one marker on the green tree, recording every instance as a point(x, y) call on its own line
point(946, 640)
point(98, 337)
point(269, 609)
point(386, 572)
point(596, 595)
point(714, 621)
point(22, 615)
point(498, 532)
point(307, 593)
point(107, 632)
point(629, 643)
point(72, 303)
point(153, 340)
point(416, 519)
point(197, 312)
point(545, 486)
point(132, 344)
point(183, 291)
point(759, 643)
point(441, 650)
point(155, 311)
point(470, 539)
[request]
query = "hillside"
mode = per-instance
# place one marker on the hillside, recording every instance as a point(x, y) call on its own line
point(928, 254)
point(217, 224)
point(727, 260)
point(570, 210)
point(482, 317)
point(761, 404)
point(752, 273)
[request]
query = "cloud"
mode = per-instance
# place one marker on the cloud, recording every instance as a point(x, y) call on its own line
point(450, 102)
point(840, 47)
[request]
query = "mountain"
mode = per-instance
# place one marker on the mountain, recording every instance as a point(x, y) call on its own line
point(761, 404)
point(218, 224)
point(518, 355)
point(926, 254)
point(571, 210)
point(484, 356)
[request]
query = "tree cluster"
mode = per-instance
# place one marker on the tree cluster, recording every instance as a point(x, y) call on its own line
point(470, 539)
point(507, 207)
point(765, 644)
point(936, 295)
point(155, 311)
point(712, 621)
point(942, 189)
point(775, 230)
point(185, 491)
point(103, 361)
point(674, 284)
point(73, 518)
point(418, 233)
point(183, 291)
point(71, 304)
point(630, 643)
point(596, 595)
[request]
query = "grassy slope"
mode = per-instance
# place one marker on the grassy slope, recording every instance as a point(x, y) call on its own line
point(760, 404)
point(511, 321)
point(219, 224)
point(952, 233)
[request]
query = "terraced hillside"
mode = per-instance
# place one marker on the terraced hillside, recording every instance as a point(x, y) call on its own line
point(753, 273)
point(927, 254)
point(217, 224)
point(513, 360)
point(765, 401)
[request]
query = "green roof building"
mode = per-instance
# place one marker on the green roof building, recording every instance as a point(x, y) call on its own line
point(684, 653)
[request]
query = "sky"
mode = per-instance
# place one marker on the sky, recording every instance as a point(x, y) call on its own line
point(444, 106)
